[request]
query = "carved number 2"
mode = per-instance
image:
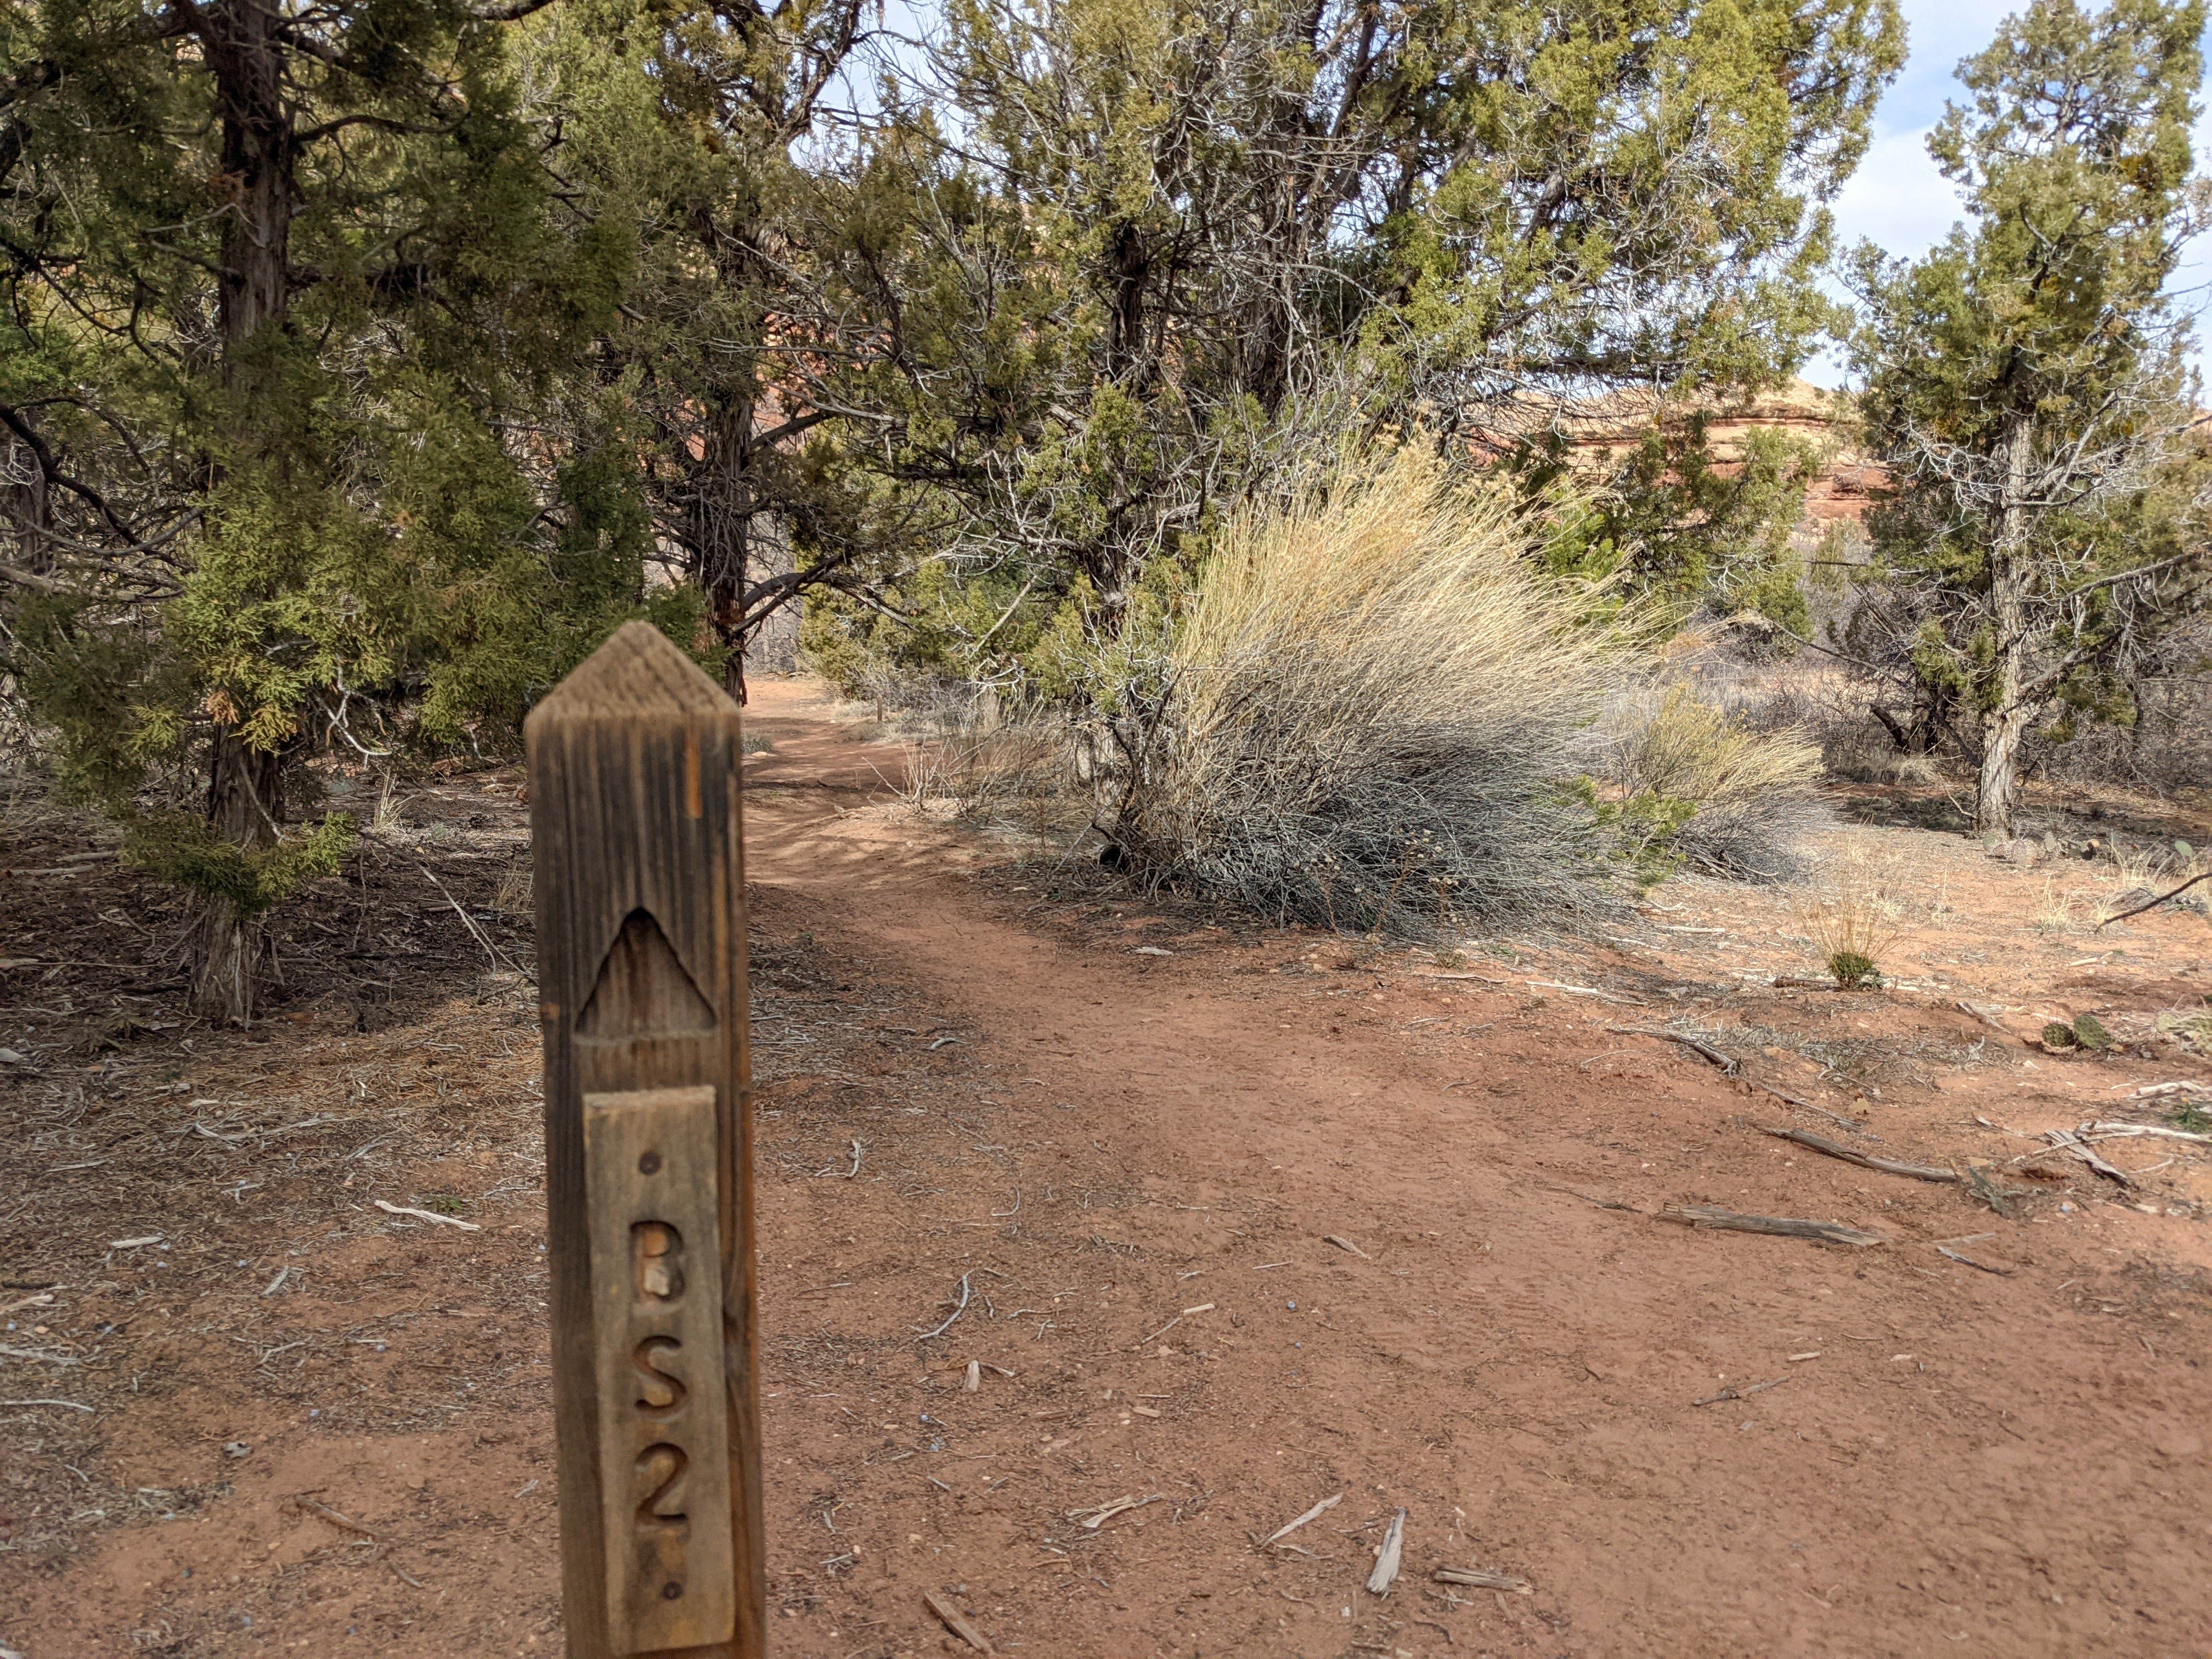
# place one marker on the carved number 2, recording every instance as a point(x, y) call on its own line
point(663, 1463)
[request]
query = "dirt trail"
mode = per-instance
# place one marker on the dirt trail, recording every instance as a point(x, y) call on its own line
point(1965, 1463)
point(1241, 1229)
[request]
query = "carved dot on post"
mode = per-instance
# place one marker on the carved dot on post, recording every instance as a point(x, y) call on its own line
point(670, 1590)
point(649, 1163)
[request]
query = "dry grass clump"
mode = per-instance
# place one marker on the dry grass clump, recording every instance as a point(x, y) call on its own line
point(1853, 910)
point(1013, 773)
point(1734, 801)
point(1373, 707)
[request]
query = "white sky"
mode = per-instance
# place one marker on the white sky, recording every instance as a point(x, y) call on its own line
point(1899, 202)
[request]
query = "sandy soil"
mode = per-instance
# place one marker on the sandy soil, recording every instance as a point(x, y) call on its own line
point(1247, 1219)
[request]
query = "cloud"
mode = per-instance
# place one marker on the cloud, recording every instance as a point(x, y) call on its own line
point(1897, 199)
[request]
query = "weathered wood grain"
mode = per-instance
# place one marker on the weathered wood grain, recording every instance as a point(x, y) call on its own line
point(640, 887)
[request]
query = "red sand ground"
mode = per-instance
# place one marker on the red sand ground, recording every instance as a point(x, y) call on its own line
point(1138, 1160)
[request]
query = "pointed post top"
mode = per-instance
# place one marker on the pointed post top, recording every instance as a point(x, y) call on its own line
point(638, 670)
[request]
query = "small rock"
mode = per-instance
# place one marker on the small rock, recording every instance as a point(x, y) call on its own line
point(235, 1449)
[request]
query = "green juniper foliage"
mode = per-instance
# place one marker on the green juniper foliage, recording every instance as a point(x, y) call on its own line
point(287, 298)
point(1269, 230)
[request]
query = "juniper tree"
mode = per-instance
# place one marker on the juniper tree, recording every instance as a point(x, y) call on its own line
point(1271, 224)
point(2026, 385)
point(283, 287)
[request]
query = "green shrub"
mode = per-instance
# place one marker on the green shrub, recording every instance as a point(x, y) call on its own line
point(1854, 971)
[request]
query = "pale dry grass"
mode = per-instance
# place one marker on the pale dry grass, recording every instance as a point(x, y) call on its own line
point(1016, 774)
point(1754, 791)
point(1375, 704)
point(1853, 910)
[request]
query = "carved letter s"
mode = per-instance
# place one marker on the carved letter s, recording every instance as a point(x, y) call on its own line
point(661, 1392)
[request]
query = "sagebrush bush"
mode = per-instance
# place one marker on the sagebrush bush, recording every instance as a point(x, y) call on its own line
point(1741, 798)
point(1372, 709)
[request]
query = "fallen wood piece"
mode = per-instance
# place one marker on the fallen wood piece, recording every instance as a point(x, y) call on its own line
point(2172, 893)
point(1835, 1149)
point(1969, 1261)
point(957, 1622)
point(1983, 1014)
point(39, 1353)
point(1709, 1215)
point(2067, 1140)
point(1704, 1051)
point(1477, 1579)
point(1092, 1519)
point(1314, 1513)
point(428, 1215)
point(1386, 1560)
point(331, 1514)
point(1787, 1099)
point(1344, 1243)
point(1746, 1393)
point(974, 1378)
point(2120, 1131)
point(67, 1405)
point(1580, 990)
point(2185, 1086)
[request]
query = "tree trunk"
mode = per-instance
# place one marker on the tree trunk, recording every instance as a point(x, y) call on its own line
point(1998, 796)
point(253, 294)
point(227, 942)
point(721, 508)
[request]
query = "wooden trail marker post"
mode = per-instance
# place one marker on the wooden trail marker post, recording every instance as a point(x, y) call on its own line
point(640, 887)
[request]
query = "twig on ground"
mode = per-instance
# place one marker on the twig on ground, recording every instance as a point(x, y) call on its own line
point(70, 1405)
point(1969, 1261)
point(955, 1621)
point(1711, 1216)
point(2095, 1130)
point(427, 1215)
point(1313, 1514)
point(955, 1313)
point(2152, 904)
point(1787, 1099)
point(1344, 1243)
point(1835, 1149)
point(499, 958)
point(1477, 1579)
point(1160, 1333)
point(2066, 1139)
point(1744, 1393)
point(1098, 1514)
point(331, 1514)
point(1704, 1051)
point(1578, 990)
